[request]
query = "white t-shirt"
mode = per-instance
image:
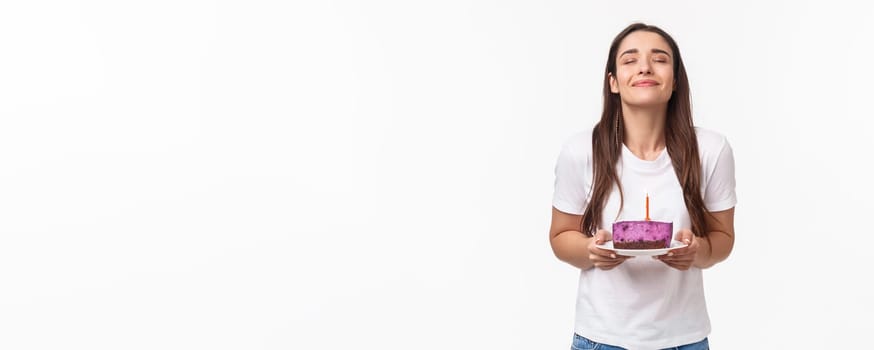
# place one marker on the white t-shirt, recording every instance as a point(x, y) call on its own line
point(643, 303)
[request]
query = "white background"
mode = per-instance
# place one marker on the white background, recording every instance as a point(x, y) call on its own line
point(378, 174)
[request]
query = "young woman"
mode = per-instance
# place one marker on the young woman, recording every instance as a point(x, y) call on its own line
point(644, 144)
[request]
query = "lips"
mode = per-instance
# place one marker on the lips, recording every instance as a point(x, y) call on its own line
point(645, 83)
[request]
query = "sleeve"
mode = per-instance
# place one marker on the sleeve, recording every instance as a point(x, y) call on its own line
point(571, 185)
point(719, 193)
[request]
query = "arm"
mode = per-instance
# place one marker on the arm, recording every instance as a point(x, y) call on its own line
point(719, 239)
point(573, 247)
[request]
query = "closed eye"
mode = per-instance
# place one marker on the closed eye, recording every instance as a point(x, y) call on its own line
point(660, 58)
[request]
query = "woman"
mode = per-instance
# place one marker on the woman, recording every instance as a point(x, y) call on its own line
point(644, 145)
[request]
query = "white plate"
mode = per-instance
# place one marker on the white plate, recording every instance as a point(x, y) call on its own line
point(641, 252)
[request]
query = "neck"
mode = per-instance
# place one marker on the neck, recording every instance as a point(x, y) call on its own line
point(644, 130)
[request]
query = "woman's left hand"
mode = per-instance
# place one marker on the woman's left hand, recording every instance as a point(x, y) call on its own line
point(682, 258)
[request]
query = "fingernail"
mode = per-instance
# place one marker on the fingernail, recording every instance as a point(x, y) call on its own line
point(670, 253)
point(687, 241)
point(613, 256)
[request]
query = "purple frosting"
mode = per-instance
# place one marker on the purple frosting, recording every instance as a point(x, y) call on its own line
point(631, 231)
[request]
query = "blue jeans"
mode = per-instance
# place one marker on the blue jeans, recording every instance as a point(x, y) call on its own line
point(583, 343)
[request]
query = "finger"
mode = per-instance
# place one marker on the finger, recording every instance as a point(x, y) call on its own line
point(608, 267)
point(598, 254)
point(610, 264)
point(684, 235)
point(599, 262)
point(684, 254)
point(681, 252)
point(679, 265)
point(602, 253)
point(688, 249)
point(602, 236)
point(610, 260)
point(675, 260)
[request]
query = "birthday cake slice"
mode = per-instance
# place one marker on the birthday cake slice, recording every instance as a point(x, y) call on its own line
point(644, 234)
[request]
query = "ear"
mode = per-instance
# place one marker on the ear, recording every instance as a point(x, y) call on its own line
point(614, 85)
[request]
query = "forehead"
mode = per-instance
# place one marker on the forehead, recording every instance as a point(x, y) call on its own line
point(643, 41)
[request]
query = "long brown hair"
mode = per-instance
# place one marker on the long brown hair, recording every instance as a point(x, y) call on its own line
point(680, 140)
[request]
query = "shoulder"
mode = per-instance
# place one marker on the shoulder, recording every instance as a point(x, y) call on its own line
point(576, 152)
point(717, 158)
point(710, 143)
point(709, 139)
point(578, 144)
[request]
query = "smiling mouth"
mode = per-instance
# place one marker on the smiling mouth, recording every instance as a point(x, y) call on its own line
point(645, 84)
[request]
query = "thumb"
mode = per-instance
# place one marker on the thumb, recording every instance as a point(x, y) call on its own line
point(685, 235)
point(602, 236)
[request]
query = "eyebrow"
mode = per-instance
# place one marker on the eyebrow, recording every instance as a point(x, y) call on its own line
point(653, 51)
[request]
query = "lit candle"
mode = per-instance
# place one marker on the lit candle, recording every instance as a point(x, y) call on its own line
point(647, 207)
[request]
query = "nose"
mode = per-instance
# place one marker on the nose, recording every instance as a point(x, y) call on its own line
point(644, 67)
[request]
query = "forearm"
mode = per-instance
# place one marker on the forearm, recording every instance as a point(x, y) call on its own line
point(572, 248)
point(713, 248)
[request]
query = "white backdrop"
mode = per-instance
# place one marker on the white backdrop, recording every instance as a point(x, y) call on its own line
point(378, 174)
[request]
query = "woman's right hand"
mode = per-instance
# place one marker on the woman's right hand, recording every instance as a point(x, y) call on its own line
point(602, 258)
